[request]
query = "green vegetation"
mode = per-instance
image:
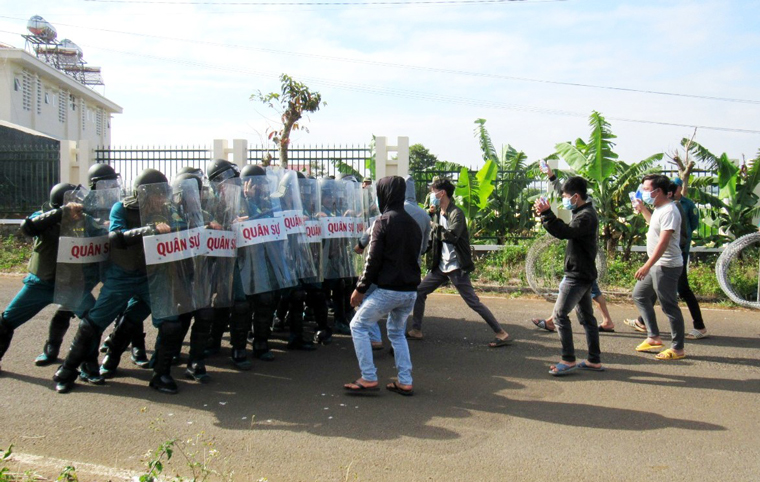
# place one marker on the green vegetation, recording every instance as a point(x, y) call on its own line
point(14, 254)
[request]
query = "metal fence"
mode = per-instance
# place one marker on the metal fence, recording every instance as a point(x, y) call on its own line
point(131, 161)
point(27, 172)
point(318, 161)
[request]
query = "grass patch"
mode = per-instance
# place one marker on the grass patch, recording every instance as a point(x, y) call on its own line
point(14, 254)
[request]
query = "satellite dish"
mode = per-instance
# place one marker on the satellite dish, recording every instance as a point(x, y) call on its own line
point(39, 27)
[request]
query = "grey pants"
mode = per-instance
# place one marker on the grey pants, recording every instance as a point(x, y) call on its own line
point(576, 294)
point(461, 282)
point(661, 284)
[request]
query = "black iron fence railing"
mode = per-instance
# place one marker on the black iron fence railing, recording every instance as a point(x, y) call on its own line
point(27, 172)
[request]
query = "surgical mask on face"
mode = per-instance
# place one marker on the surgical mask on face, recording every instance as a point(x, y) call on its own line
point(435, 201)
point(568, 204)
point(646, 196)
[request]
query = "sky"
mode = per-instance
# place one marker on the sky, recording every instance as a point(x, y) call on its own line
point(184, 70)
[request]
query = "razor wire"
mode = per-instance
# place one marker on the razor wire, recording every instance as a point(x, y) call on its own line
point(729, 254)
point(544, 275)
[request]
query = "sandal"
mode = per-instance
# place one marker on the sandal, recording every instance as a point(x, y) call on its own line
point(585, 366)
point(355, 386)
point(542, 324)
point(560, 369)
point(377, 345)
point(497, 342)
point(696, 335)
point(669, 354)
point(606, 330)
point(634, 323)
point(645, 346)
point(394, 387)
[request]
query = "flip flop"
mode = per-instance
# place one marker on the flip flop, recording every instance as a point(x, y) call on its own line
point(393, 387)
point(696, 335)
point(355, 386)
point(542, 324)
point(606, 330)
point(560, 369)
point(377, 345)
point(585, 366)
point(669, 354)
point(644, 346)
point(497, 342)
point(634, 323)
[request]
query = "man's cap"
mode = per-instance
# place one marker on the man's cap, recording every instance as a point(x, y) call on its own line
point(677, 181)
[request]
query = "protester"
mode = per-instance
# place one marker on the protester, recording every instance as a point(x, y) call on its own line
point(689, 223)
point(452, 261)
point(391, 265)
point(580, 273)
point(658, 277)
point(607, 326)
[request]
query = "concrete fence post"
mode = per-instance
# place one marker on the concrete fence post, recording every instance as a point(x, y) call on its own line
point(220, 149)
point(85, 159)
point(67, 160)
point(240, 152)
point(391, 167)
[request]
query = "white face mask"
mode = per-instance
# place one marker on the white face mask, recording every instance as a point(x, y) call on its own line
point(646, 196)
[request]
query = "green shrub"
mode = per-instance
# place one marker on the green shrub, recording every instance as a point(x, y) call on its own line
point(14, 254)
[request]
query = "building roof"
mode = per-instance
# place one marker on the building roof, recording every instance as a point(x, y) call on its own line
point(26, 59)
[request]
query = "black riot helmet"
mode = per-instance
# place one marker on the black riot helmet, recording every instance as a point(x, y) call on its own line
point(179, 178)
point(150, 176)
point(300, 175)
point(57, 192)
point(221, 169)
point(100, 172)
point(252, 170)
point(195, 171)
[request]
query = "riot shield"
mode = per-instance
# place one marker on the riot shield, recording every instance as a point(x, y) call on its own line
point(83, 244)
point(311, 201)
point(264, 256)
point(221, 208)
point(175, 216)
point(294, 217)
point(338, 229)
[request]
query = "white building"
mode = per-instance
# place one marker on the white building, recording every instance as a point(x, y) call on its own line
point(37, 96)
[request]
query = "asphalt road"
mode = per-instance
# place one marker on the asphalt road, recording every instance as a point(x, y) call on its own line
point(478, 413)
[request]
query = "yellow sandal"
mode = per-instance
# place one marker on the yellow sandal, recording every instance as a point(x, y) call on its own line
point(669, 354)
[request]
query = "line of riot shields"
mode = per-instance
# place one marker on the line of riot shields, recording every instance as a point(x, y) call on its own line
point(276, 230)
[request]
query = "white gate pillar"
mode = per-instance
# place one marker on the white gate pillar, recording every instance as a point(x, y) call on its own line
point(391, 167)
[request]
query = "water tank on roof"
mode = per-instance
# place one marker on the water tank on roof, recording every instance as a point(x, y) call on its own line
point(71, 48)
point(39, 27)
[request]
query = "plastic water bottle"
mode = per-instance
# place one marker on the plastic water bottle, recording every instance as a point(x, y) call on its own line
point(544, 165)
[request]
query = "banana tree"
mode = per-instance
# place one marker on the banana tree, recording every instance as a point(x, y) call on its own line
point(472, 192)
point(733, 210)
point(509, 210)
point(609, 180)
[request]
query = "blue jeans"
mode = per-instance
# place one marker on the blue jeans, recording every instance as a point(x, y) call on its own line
point(380, 303)
point(35, 295)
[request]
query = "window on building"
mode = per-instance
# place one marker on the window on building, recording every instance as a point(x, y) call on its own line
point(39, 94)
point(26, 91)
point(73, 101)
point(62, 96)
point(47, 98)
point(16, 84)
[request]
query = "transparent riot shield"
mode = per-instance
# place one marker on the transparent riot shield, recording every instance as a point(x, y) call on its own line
point(175, 216)
point(83, 244)
point(264, 255)
point(221, 209)
point(338, 230)
point(294, 216)
point(312, 203)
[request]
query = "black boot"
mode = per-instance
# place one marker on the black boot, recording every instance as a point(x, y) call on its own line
point(116, 345)
point(199, 337)
point(6, 335)
point(139, 356)
point(85, 341)
point(219, 327)
point(169, 341)
point(59, 324)
point(240, 323)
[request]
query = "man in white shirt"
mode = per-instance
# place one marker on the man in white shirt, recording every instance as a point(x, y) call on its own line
point(658, 277)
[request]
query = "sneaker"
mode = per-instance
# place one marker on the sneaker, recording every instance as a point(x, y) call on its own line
point(139, 357)
point(342, 329)
point(91, 374)
point(197, 371)
point(634, 323)
point(323, 337)
point(240, 360)
point(164, 384)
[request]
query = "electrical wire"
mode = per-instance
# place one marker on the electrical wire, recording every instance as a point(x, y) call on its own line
point(417, 67)
point(328, 4)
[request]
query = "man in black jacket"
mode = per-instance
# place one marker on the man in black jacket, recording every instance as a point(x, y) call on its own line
point(580, 273)
point(451, 261)
point(392, 266)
